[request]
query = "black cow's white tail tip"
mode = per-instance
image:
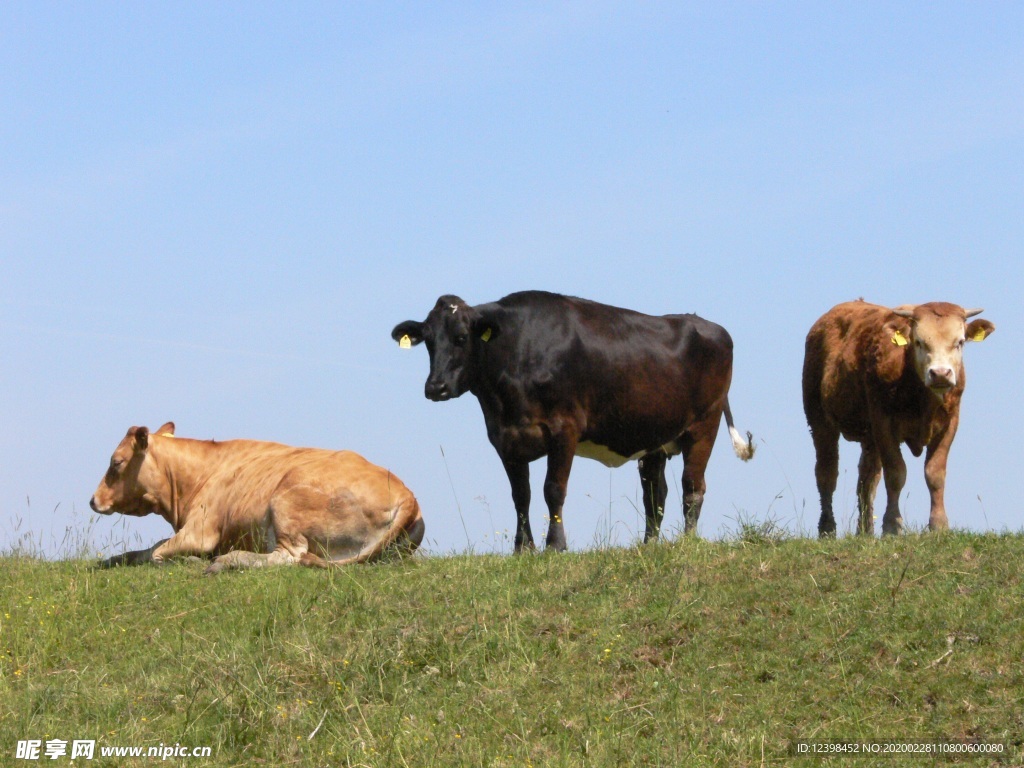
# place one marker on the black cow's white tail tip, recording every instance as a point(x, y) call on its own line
point(744, 448)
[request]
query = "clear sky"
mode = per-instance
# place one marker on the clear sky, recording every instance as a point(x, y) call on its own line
point(214, 213)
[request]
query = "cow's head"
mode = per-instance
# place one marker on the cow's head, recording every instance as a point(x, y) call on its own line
point(131, 483)
point(451, 331)
point(936, 336)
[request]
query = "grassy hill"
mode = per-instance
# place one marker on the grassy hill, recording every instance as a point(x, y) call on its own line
point(687, 653)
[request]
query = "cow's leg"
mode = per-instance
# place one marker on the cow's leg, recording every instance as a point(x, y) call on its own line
point(519, 478)
point(199, 536)
point(696, 446)
point(826, 474)
point(935, 476)
point(869, 472)
point(135, 557)
point(894, 469)
point(560, 456)
point(288, 510)
point(655, 491)
point(241, 558)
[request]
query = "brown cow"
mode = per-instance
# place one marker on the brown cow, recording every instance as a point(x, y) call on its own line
point(882, 377)
point(254, 503)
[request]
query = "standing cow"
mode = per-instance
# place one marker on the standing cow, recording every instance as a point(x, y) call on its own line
point(882, 377)
point(255, 503)
point(558, 376)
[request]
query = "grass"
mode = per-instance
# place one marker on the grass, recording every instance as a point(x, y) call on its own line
point(684, 653)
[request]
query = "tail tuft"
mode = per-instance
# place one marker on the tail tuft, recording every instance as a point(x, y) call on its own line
point(744, 448)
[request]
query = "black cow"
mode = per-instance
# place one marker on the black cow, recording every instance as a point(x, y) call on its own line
point(558, 376)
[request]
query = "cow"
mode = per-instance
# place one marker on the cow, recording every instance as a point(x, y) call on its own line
point(250, 503)
point(559, 376)
point(881, 377)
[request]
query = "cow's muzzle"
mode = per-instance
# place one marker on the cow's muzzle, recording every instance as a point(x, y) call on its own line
point(437, 391)
point(940, 379)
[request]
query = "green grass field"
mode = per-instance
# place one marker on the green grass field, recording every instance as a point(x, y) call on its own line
point(687, 653)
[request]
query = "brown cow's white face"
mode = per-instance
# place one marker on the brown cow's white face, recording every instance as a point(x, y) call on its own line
point(938, 332)
point(122, 488)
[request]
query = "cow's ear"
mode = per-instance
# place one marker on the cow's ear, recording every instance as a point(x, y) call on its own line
point(166, 429)
point(897, 330)
point(890, 356)
point(141, 438)
point(487, 325)
point(979, 330)
point(408, 334)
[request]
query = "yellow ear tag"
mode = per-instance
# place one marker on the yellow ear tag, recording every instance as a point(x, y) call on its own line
point(405, 342)
point(486, 335)
point(979, 335)
point(166, 434)
point(899, 339)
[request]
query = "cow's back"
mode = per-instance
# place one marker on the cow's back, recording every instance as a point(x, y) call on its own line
point(588, 343)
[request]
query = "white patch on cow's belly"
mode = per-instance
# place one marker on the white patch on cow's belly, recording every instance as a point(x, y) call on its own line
point(604, 454)
point(610, 458)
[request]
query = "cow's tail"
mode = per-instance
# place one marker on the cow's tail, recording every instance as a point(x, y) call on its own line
point(744, 448)
point(405, 532)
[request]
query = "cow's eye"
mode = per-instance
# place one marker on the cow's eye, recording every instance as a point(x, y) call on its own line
point(461, 339)
point(116, 464)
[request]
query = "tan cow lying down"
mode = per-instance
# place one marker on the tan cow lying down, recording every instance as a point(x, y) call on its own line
point(882, 377)
point(253, 503)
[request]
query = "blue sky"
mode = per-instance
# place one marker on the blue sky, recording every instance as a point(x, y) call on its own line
point(214, 213)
